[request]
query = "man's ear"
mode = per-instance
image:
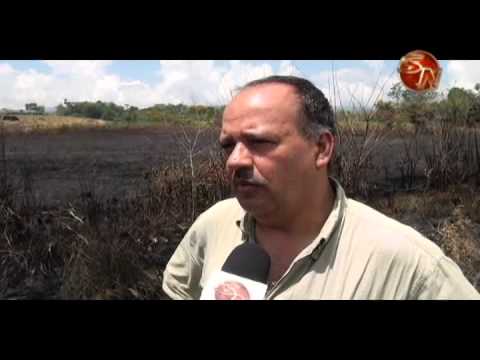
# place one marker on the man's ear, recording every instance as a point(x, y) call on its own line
point(325, 146)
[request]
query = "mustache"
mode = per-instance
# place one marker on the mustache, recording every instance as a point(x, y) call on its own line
point(246, 177)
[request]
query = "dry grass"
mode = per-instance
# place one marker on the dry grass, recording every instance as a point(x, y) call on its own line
point(459, 238)
point(96, 248)
point(450, 218)
point(57, 124)
point(33, 123)
point(117, 248)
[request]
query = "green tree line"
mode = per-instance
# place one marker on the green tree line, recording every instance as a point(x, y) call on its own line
point(458, 106)
point(159, 113)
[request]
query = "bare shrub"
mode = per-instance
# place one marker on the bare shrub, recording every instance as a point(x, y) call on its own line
point(450, 158)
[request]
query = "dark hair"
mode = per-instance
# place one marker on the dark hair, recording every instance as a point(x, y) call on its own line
point(317, 112)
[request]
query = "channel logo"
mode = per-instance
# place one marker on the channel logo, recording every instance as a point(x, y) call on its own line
point(420, 71)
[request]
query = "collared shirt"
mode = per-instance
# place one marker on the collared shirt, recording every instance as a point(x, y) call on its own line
point(358, 254)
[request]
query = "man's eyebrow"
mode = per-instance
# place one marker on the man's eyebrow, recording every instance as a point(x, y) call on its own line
point(247, 135)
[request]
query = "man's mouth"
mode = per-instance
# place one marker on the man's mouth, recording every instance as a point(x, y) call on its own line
point(245, 185)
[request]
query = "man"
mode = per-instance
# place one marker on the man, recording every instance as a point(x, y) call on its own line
point(279, 136)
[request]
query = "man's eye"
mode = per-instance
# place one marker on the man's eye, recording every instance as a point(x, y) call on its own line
point(227, 147)
point(261, 142)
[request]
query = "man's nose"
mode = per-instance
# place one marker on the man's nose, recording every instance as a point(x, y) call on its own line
point(240, 157)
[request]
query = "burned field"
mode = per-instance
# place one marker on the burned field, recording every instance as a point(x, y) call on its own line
point(96, 213)
point(57, 168)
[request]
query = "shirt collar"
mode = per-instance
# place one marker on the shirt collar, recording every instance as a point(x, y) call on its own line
point(331, 230)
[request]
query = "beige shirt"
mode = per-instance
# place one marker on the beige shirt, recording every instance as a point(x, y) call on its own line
point(359, 254)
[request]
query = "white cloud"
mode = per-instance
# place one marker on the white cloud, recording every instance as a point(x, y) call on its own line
point(184, 81)
point(79, 68)
point(463, 73)
point(355, 86)
point(287, 67)
point(238, 74)
point(31, 84)
point(375, 64)
point(178, 81)
point(76, 80)
point(6, 69)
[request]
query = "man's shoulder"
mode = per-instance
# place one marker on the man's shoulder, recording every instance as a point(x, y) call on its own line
point(403, 254)
point(389, 236)
point(224, 212)
point(226, 208)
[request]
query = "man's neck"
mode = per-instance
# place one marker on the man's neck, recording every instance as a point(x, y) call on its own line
point(302, 225)
point(285, 241)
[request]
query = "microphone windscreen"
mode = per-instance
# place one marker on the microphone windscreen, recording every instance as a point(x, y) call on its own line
point(249, 261)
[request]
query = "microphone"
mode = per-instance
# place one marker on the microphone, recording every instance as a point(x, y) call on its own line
point(244, 275)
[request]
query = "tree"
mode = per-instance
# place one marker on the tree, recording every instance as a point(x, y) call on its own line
point(460, 103)
point(108, 114)
point(395, 92)
point(385, 111)
point(34, 108)
point(405, 96)
point(61, 110)
point(93, 110)
point(31, 107)
point(460, 95)
point(415, 107)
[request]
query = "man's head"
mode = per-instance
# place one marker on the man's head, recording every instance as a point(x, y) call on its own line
point(278, 134)
point(316, 114)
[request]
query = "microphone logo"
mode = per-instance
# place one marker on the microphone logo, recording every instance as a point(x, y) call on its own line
point(231, 290)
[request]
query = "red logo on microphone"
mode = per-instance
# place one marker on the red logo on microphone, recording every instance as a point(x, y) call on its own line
point(231, 290)
point(420, 71)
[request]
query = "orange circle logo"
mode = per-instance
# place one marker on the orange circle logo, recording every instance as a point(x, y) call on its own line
point(420, 71)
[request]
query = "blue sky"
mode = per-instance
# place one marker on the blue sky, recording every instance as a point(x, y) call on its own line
point(144, 83)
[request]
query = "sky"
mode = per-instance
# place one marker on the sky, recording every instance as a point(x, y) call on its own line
point(144, 83)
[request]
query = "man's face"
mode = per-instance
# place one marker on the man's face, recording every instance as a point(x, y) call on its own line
point(270, 164)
